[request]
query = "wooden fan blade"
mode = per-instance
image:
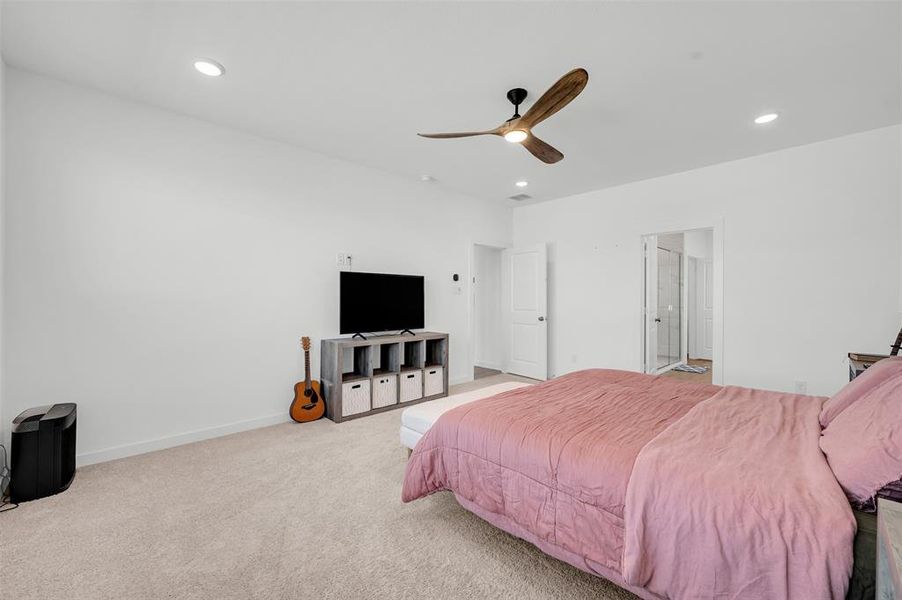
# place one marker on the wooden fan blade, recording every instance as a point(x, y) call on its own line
point(445, 136)
point(557, 96)
point(544, 152)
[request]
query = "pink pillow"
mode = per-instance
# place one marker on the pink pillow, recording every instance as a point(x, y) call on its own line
point(863, 444)
point(858, 387)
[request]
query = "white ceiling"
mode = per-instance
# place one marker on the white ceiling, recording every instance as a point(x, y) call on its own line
point(672, 86)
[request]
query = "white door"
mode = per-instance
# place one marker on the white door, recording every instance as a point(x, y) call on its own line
point(524, 296)
point(650, 309)
point(704, 298)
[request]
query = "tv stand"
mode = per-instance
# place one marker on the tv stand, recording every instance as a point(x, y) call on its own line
point(407, 331)
point(364, 375)
point(360, 335)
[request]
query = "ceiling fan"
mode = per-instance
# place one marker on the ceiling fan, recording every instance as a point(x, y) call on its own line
point(518, 130)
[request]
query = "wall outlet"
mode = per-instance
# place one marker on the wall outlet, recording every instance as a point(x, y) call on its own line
point(801, 387)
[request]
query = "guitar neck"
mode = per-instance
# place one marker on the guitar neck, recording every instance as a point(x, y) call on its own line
point(307, 369)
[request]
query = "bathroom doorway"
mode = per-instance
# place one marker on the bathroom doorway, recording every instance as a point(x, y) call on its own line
point(678, 309)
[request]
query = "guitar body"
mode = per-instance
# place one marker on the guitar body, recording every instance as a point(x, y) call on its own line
point(306, 408)
point(308, 404)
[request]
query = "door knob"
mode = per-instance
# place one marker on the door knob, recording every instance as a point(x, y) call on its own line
point(657, 320)
point(541, 318)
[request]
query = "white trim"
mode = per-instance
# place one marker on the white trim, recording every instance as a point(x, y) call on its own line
point(493, 366)
point(98, 456)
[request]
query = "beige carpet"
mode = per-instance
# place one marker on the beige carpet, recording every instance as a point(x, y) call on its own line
point(291, 511)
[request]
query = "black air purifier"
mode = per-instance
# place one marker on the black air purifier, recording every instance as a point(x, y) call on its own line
point(43, 452)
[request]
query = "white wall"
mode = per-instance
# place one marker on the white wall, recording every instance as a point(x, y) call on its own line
point(160, 270)
point(487, 299)
point(811, 243)
point(699, 243)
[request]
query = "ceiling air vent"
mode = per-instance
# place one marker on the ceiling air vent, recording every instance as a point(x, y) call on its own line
point(520, 197)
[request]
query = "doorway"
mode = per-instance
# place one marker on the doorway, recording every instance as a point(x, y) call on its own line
point(678, 304)
point(508, 308)
point(488, 349)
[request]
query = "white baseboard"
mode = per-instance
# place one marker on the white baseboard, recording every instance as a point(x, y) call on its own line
point(98, 456)
point(487, 365)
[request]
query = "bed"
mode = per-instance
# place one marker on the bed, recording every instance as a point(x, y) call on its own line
point(668, 488)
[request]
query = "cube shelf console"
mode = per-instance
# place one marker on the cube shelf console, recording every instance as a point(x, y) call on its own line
point(363, 377)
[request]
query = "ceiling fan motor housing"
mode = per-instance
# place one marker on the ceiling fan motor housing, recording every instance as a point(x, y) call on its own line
point(516, 96)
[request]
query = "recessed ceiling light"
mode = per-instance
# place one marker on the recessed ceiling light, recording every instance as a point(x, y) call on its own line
point(766, 118)
point(427, 178)
point(208, 67)
point(522, 184)
point(515, 136)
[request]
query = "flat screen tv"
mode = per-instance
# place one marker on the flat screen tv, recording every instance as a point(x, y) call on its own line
point(372, 302)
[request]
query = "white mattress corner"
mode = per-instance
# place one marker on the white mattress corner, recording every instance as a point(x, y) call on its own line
point(416, 420)
point(409, 437)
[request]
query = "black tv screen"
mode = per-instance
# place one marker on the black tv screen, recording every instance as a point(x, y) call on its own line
point(373, 302)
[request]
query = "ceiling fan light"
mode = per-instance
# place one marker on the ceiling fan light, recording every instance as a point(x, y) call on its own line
point(515, 136)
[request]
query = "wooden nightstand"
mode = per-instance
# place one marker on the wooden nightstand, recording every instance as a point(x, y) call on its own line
point(859, 361)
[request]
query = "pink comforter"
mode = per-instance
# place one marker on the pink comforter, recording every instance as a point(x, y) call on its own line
point(736, 500)
point(559, 464)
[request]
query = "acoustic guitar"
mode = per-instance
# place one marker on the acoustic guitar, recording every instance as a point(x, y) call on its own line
point(308, 404)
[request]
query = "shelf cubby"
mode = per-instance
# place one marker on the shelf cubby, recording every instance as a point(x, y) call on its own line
point(436, 352)
point(356, 363)
point(389, 359)
point(414, 355)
